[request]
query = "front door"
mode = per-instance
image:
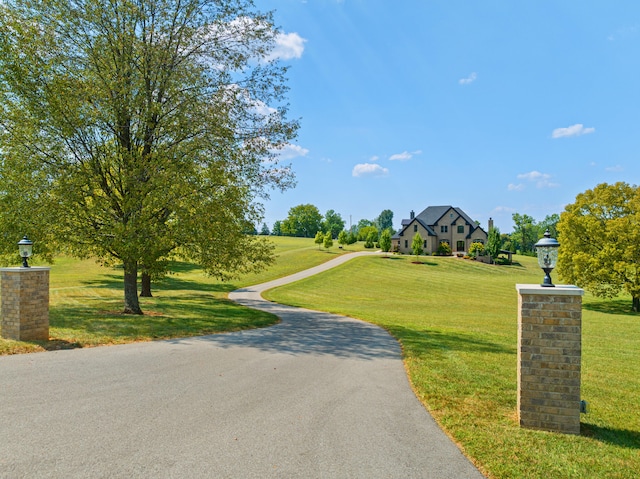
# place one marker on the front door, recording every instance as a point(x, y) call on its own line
point(460, 246)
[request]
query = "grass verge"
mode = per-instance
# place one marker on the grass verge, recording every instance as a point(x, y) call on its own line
point(86, 300)
point(457, 323)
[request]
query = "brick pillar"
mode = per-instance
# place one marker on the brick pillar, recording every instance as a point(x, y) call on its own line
point(25, 303)
point(549, 352)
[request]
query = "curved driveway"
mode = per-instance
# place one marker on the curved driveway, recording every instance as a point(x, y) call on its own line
point(316, 396)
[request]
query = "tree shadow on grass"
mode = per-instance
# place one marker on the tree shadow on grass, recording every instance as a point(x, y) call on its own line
point(193, 315)
point(428, 341)
point(168, 283)
point(617, 437)
point(611, 306)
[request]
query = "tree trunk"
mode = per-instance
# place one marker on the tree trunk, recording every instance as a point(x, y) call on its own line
point(131, 304)
point(145, 285)
point(636, 305)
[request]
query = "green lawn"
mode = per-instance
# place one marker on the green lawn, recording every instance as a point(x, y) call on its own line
point(86, 300)
point(456, 320)
point(457, 323)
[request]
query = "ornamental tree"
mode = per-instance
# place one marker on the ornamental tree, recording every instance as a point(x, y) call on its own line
point(416, 245)
point(385, 240)
point(328, 240)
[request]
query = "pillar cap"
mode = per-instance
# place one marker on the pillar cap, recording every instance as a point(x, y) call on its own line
point(558, 290)
point(19, 269)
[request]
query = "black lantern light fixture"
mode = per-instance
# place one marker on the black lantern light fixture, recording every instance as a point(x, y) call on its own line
point(25, 245)
point(547, 250)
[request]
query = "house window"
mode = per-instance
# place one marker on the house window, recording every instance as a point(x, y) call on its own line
point(415, 228)
point(406, 243)
point(424, 244)
point(460, 228)
point(444, 229)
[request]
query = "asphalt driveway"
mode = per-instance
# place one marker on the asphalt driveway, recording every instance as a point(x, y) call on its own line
point(316, 396)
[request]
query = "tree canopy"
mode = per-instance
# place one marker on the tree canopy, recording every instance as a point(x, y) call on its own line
point(385, 221)
point(333, 223)
point(599, 237)
point(132, 129)
point(303, 220)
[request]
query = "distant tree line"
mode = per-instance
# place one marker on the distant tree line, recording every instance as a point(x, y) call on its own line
point(306, 221)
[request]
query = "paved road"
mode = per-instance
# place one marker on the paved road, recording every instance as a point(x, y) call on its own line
point(316, 396)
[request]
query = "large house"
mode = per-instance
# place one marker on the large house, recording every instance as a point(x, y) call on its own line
point(436, 225)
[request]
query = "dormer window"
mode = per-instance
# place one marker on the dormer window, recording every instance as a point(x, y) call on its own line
point(415, 228)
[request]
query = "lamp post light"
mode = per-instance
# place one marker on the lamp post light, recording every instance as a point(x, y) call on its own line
point(25, 245)
point(547, 251)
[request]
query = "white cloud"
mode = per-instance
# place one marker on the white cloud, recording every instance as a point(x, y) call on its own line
point(374, 158)
point(514, 187)
point(288, 46)
point(369, 169)
point(504, 209)
point(404, 156)
point(542, 180)
point(615, 169)
point(470, 79)
point(289, 151)
point(574, 130)
point(624, 32)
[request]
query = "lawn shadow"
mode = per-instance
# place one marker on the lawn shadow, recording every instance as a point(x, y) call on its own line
point(612, 306)
point(427, 341)
point(56, 344)
point(168, 283)
point(196, 314)
point(616, 437)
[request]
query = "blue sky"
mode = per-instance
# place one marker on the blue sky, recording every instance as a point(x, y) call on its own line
point(493, 106)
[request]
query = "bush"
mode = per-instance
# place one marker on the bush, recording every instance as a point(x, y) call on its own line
point(476, 249)
point(444, 249)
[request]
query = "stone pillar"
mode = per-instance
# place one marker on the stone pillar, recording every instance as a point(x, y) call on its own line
point(549, 353)
point(25, 303)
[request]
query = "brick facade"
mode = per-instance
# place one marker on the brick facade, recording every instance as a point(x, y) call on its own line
point(549, 357)
point(25, 303)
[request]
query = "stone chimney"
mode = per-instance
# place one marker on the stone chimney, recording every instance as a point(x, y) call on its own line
point(412, 215)
point(490, 224)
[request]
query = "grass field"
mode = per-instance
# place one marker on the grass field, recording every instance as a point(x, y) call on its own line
point(457, 323)
point(86, 300)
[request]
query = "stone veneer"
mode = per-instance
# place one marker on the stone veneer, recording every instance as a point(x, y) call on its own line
point(25, 303)
point(549, 355)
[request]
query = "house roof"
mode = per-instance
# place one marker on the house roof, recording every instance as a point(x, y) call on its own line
point(431, 215)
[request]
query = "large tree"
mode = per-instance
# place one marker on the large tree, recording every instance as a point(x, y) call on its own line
point(333, 223)
point(132, 129)
point(599, 239)
point(525, 232)
point(303, 220)
point(385, 221)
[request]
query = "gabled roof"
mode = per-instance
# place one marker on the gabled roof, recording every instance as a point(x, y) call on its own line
point(407, 223)
point(433, 214)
